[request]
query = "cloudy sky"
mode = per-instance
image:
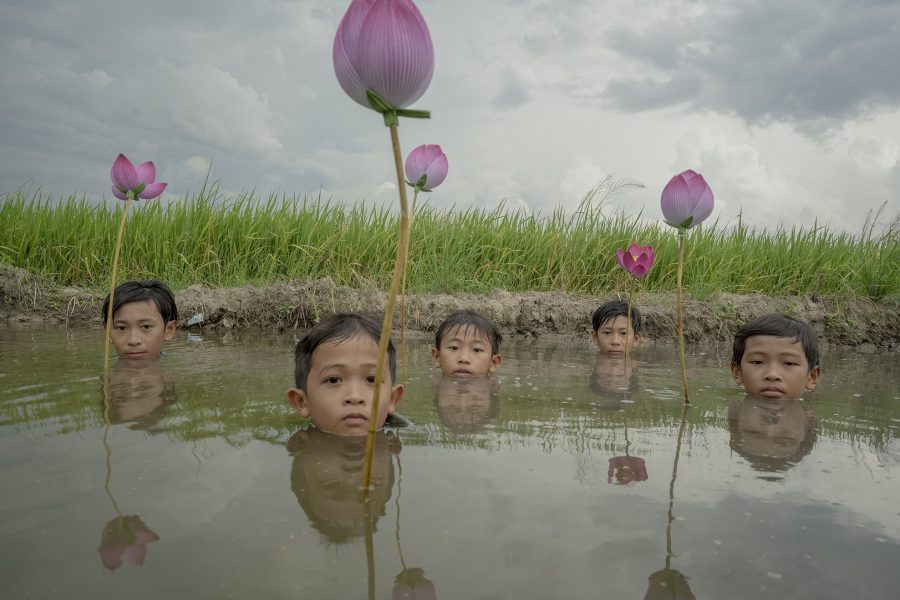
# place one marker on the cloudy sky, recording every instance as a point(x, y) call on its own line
point(791, 110)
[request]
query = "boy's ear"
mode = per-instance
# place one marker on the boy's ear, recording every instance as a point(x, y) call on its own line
point(495, 362)
point(396, 395)
point(170, 330)
point(812, 378)
point(594, 337)
point(297, 398)
point(637, 338)
point(736, 373)
point(436, 357)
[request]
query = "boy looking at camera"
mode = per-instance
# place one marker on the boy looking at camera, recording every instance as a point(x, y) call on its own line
point(467, 345)
point(775, 357)
point(610, 329)
point(334, 375)
point(144, 316)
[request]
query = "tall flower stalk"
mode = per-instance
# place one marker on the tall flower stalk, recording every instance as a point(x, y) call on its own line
point(384, 60)
point(686, 201)
point(128, 182)
point(426, 168)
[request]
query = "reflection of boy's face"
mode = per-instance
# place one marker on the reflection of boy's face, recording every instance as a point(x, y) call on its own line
point(465, 404)
point(614, 335)
point(611, 374)
point(771, 428)
point(774, 368)
point(338, 396)
point(465, 352)
point(138, 330)
point(326, 477)
point(136, 388)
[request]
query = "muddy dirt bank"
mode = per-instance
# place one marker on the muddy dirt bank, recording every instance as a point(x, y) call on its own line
point(25, 298)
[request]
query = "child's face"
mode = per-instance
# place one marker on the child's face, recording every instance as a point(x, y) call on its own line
point(138, 330)
point(614, 334)
point(338, 396)
point(465, 352)
point(774, 368)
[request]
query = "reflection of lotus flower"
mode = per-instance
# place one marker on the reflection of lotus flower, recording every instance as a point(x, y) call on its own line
point(411, 584)
point(125, 537)
point(686, 200)
point(626, 469)
point(426, 167)
point(383, 46)
point(668, 584)
point(140, 180)
point(637, 260)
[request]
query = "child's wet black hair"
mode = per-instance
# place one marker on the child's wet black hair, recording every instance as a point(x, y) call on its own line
point(616, 308)
point(337, 328)
point(138, 291)
point(777, 325)
point(466, 319)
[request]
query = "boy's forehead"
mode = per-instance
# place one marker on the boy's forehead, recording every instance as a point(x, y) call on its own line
point(138, 309)
point(762, 343)
point(466, 332)
point(612, 321)
point(333, 350)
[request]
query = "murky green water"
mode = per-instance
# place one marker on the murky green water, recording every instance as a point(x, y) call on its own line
point(518, 487)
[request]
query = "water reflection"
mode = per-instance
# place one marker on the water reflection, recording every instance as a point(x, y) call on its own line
point(466, 405)
point(138, 392)
point(772, 435)
point(668, 583)
point(326, 475)
point(611, 377)
point(626, 469)
point(410, 583)
point(125, 537)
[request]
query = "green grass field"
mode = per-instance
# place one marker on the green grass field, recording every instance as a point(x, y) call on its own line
point(228, 241)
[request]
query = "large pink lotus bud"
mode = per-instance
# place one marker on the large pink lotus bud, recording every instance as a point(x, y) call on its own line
point(637, 260)
point(383, 46)
point(139, 181)
point(686, 200)
point(426, 167)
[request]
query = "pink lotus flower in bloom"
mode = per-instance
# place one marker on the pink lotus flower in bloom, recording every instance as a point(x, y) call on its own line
point(686, 200)
point(125, 537)
point(426, 167)
point(383, 46)
point(140, 180)
point(637, 260)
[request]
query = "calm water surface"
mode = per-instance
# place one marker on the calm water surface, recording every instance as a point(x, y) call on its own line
point(552, 480)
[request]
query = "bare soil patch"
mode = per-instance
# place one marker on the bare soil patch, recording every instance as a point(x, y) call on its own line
point(839, 320)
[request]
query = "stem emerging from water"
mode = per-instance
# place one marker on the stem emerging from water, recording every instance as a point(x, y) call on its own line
point(672, 487)
point(628, 324)
point(399, 270)
point(112, 283)
point(680, 318)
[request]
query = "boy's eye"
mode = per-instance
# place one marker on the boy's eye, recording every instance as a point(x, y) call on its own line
point(755, 361)
point(333, 379)
point(790, 363)
point(452, 347)
point(146, 326)
point(370, 379)
point(477, 349)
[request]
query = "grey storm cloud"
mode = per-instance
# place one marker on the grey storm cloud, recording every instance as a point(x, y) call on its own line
point(812, 63)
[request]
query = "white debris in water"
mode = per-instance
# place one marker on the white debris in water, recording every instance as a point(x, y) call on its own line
point(717, 542)
point(773, 575)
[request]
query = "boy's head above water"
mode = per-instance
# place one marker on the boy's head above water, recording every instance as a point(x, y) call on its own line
point(144, 316)
point(334, 375)
point(610, 330)
point(467, 345)
point(775, 357)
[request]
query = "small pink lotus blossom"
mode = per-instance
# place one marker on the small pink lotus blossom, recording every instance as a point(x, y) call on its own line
point(637, 260)
point(426, 167)
point(686, 200)
point(383, 46)
point(140, 180)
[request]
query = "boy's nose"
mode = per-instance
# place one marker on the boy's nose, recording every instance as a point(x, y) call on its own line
point(134, 338)
point(463, 357)
point(357, 394)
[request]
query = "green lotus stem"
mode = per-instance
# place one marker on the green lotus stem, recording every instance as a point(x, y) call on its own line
point(112, 284)
point(399, 270)
point(628, 323)
point(412, 214)
point(672, 486)
point(680, 318)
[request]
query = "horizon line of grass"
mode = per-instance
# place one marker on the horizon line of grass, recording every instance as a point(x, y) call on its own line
point(223, 241)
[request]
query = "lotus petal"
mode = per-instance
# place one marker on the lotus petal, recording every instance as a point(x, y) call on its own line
point(146, 172)
point(118, 193)
point(123, 174)
point(152, 190)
